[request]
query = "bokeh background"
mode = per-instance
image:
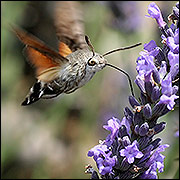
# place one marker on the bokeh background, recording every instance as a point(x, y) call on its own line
point(51, 138)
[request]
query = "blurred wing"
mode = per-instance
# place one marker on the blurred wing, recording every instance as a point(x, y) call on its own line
point(64, 50)
point(68, 20)
point(46, 61)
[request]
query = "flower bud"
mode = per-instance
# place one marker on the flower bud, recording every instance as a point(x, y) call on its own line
point(147, 112)
point(156, 143)
point(160, 57)
point(124, 165)
point(138, 118)
point(143, 142)
point(133, 101)
point(175, 89)
point(148, 87)
point(159, 127)
point(158, 109)
point(174, 71)
point(129, 115)
point(143, 98)
point(136, 129)
point(126, 141)
point(156, 76)
point(155, 93)
point(122, 131)
point(140, 84)
point(144, 128)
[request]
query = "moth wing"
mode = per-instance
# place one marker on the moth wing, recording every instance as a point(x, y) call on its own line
point(46, 68)
point(46, 61)
point(64, 50)
point(68, 20)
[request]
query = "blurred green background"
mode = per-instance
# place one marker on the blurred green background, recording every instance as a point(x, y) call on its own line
point(51, 138)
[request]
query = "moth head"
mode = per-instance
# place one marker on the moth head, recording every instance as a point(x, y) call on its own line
point(96, 62)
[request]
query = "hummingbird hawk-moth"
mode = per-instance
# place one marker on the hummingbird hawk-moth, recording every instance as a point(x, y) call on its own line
point(73, 65)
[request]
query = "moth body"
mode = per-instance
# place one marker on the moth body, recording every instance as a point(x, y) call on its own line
point(82, 66)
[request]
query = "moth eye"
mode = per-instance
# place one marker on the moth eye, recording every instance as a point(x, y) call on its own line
point(91, 62)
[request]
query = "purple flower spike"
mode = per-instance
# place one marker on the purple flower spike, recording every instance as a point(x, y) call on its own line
point(155, 12)
point(131, 152)
point(132, 149)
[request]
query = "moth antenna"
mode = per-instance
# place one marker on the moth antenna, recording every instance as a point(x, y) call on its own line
point(123, 48)
point(89, 44)
point(129, 79)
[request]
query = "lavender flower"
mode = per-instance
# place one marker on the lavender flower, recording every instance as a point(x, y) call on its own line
point(155, 162)
point(124, 158)
point(131, 150)
point(170, 101)
point(113, 126)
point(155, 12)
point(102, 156)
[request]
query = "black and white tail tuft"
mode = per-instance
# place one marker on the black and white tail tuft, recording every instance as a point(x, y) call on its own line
point(34, 95)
